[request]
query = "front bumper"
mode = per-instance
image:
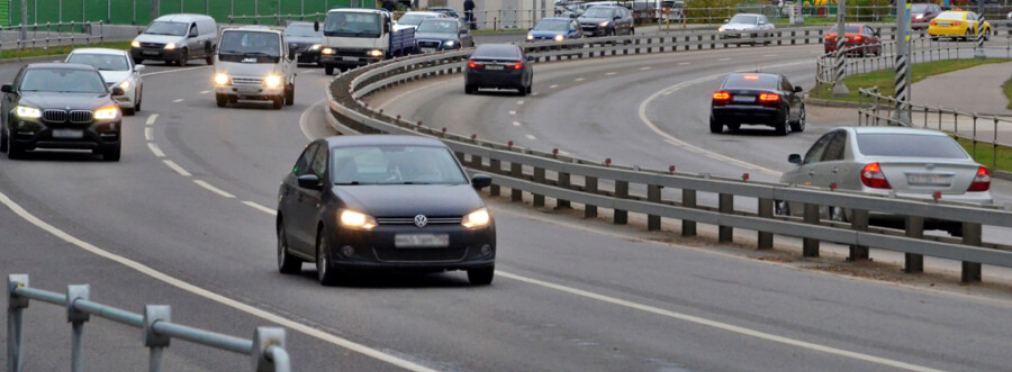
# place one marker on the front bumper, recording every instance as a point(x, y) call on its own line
point(593, 30)
point(375, 249)
point(740, 114)
point(350, 58)
point(160, 54)
point(38, 133)
point(249, 92)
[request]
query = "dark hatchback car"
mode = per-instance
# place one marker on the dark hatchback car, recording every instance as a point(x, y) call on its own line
point(383, 202)
point(60, 105)
point(607, 21)
point(757, 99)
point(435, 34)
point(304, 40)
point(498, 66)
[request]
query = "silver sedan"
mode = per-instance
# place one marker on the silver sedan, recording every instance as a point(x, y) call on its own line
point(745, 25)
point(905, 162)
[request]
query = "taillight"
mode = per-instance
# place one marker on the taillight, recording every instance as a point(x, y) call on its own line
point(769, 97)
point(721, 96)
point(873, 177)
point(933, 23)
point(517, 66)
point(857, 38)
point(981, 181)
point(956, 24)
point(473, 64)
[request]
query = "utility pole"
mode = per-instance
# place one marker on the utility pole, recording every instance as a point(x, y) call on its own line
point(902, 116)
point(840, 88)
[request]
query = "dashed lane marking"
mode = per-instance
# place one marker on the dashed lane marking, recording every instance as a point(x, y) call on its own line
point(531, 137)
point(520, 102)
point(516, 123)
point(513, 113)
point(261, 208)
point(154, 149)
point(177, 168)
point(723, 59)
point(177, 100)
point(535, 94)
point(645, 68)
point(148, 133)
point(151, 119)
point(683, 63)
point(553, 86)
point(578, 79)
point(173, 71)
point(610, 73)
point(205, 92)
point(213, 189)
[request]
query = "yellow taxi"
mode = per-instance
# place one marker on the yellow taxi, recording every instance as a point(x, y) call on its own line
point(956, 24)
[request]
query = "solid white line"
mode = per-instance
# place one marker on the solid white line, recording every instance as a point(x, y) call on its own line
point(177, 100)
point(151, 119)
point(578, 79)
point(553, 86)
point(302, 119)
point(173, 71)
point(157, 151)
point(769, 55)
point(177, 168)
point(261, 208)
point(148, 133)
point(645, 68)
point(723, 59)
point(516, 123)
point(213, 189)
point(512, 113)
point(722, 326)
point(531, 137)
point(262, 314)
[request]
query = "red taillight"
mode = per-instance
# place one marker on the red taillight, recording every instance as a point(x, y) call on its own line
point(873, 177)
point(721, 96)
point(769, 97)
point(517, 66)
point(956, 24)
point(981, 181)
point(857, 38)
point(933, 23)
point(473, 64)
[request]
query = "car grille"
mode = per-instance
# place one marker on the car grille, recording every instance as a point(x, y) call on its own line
point(62, 116)
point(152, 45)
point(411, 220)
point(420, 255)
point(247, 81)
point(55, 116)
point(428, 44)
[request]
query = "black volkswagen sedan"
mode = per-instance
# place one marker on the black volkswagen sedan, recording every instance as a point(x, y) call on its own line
point(757, 99)
point(60, 105)
point(383, 202)
point(498, 66)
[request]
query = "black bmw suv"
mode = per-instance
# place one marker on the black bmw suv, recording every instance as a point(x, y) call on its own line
point(60, 105)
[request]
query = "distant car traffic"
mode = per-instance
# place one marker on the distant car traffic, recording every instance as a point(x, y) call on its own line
point(256, 64)
point(745, 25)
point(912, 163)
point(921, 14)
point(757, 99)
point(956, 25)
point(304, 40)
point(413, 19)
point(606, 21)
point(498, 66)
point(60, 105)
point(177, 38)
point(435, 34)
point(557, 29)
point(861, 40)
point(383, 202)
point(117, 69)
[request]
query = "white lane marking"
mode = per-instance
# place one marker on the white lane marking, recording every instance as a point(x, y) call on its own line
point(668, 93)
point(553, 86)
point(683, 63)
point(172, 71)
point(215, 297)
point(177, 100)
point(205, 92)
point(516, 123)
point(151, 119)
point(513, 113)
point(610, 73)
point(261, 208)
point(769, 55)
point(578, 79)
point(177, 168)
point(213, 189)
point(520, 102)
point(645, 68)
point(305, 114)
point(531, 137)
point(149, 133)
point(718, 325)
point(154, 149)
point(723, 59)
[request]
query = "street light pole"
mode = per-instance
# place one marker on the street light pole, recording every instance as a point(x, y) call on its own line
point(840, 88)
point(903, 62)
point(979, 50)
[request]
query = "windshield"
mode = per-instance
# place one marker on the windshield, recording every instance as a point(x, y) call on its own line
point(745, 19)
point(439, 27)
point(850, 29)
point(301, 31)
point(167, 28)
point(103, 62)
point(552, 25)
point(742, 81)
point(395, 165)
point(909, 145)
point(62, 80)
point(250, 43)
point(413, 19)
point(951, 15)
point(352, 24)
point(598, 13)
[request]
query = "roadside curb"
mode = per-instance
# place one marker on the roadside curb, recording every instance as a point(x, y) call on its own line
point(1002, 175)
point(831, 103)
point(34, 59)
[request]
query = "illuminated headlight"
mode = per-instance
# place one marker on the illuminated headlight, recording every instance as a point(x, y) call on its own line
point(26, 112)
point(478, 218)
point(125, 85)
point(559, 38)
point(358, 220)
point(170, 46)
point(375, 53)
point(316, 47)
point(721, 29)
point(221, 79)
point(530, 36)
point(603, 24)
point(328, 51)
point(135, 44)
point(107, 113)
point(272, 81)
point(450, 43)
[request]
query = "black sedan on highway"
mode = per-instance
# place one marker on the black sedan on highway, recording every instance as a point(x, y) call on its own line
point(436, 34)
point(383, 202)
point(304, 40)
point(498, 66)
point(757, 99)
point(60, 105)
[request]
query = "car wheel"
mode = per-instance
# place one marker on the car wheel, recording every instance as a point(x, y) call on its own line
point(785, 126)
point(734, 127)
point(716, 127)
point(530, 88)
point(3, 141)
point(286, 263)
point(111, 153)
point(209, 60)
point(290, 96)
point(470, 89)
point(968, 35)
point(221, 100)
point(129, 112)
point(522, 91)
point(184, 58)
point(137, 100)
point(14, 150)
point(324, 274)
point(328, 69)
point(799, 126)
point(482, 276)
point(279, 102)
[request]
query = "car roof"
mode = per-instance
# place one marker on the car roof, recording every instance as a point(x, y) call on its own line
point(435, 14)
point(748, 14)
point(894, 130)
point(355, 10)
point(106, 51)
point(183, 17)
point(381, 139)
point(263, 29)
point(766, 74)
point(439, 8)
point(299, 23)
point(60, 66)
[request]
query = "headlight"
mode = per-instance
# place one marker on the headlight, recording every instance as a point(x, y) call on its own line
point(107, 113)
point(328, 51)
point(125, 85)
point(478, 218)
point(221, 79)
point(721, 29)
point(376, 53)
point(603, 24)
point(559, 38)
point(170, 46)
point(29, 112)
point(530, 36)
point(135, 44)
point(272, 81)
point(316, 47)
point(350, 218)
point(450, 43)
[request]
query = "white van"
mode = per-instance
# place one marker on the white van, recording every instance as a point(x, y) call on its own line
point(176, 39)
point(255, 63)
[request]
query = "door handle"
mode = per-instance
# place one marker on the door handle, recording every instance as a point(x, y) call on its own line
point(836, 170)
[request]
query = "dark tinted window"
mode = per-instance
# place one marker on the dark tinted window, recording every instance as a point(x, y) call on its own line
point(396, 165)
point(750, 81)
point(436, 26)
point(167, 28)
point(745, 19)
point(837, 147)
point(553, 25)
point(912, 145)
point(814, 154)
point(62, 80)
point(302, 166)
point(497, 52)
point(850, 29)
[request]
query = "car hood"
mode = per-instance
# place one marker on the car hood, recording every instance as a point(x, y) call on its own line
point(739, 27)
point(65, 101)
point(114, 76)
point(547, 33)
point(410, 200)
point(162, 39)
point(435, 36)
point(303, 40)
point(247, 69)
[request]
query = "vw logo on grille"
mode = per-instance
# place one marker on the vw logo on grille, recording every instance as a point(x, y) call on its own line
point(421, 220)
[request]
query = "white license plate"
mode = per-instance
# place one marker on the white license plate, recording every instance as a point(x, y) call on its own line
point(925, 179)
point(150, 52)
point(744, 99)
point(428, 50)
point(494, 67)
point(421, 240)
point(350, 59)
point(68, 133)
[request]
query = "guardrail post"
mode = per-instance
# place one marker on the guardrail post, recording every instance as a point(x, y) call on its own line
point(914, 263)
point(590, 186)
point(16, 306)
point(496, 168)
point(264, 339)
point(516, 170)
point(765, 211)
point(654, 196)
point(621, 192)
point(725, 204)
point(77, 319)
point(539, 177)
point(810, 247)
point(564, 182)
point(859, 222)
point(152, 340)
point(972, 236)
point(688, 201)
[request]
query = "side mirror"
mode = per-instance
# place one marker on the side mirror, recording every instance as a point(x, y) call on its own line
point(292, 54)
point(117, 91)
point(794, 159)
point(316, 26)
point(617, 18)
point(310, 181)
point(797, 89)
point(139, 68)
point(7, 88)
point(481, 181)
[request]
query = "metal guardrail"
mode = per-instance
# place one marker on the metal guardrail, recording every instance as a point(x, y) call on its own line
point(277, 19)
point(633, 189)
point(51, 35)
point(267, 348)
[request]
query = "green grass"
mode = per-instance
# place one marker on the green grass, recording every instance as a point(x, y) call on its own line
point(1007, 88)
point(884, 79)
point(53, 51)
point(984, 154)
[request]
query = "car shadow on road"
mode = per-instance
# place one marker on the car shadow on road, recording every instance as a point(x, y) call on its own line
point(757, 131)
point(398, 280)
point(61, 156)
point(497, 93)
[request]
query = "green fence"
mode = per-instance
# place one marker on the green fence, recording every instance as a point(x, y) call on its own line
point(139, 11)
point(5, 16)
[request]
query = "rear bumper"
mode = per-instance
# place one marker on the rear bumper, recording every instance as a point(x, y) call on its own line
point(486, 79)
point(947, 31)
point(731, 114)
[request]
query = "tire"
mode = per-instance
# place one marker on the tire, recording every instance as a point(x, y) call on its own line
point(112, 153)
point(279, 102)
point(286, 263)
point(968, 35)
point(138, 99)
point(290, 96)
point(328, 69)
point(530, 88)
point(209, 60)
point(784, 127)
point(799, 126)
point(129, 112)
point(184, 58)
point(521, 91)
point(3, 141)
point(324, 274)
point(470, 89)
point(482, 276)
point(716, 127)
point(221, 100)
point(734, 127)
point(14, 150)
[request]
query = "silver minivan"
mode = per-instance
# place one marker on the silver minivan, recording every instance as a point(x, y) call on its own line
point(176, 39)
point(255, 63)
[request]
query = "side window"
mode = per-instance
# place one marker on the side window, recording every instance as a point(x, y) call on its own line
point(573, 26)
point(815, 153)
point(193, 29)
point(302, 165)
point(785, 85)
point(17, 79)
point(837, 147)
point(320, 162)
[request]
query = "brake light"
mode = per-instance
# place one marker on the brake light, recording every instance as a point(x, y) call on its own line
point(933, 23)
point(873, 177)
point(769, 97)
point(982, 181)
point(751, 77)
point(857, 38)
point(721, 96)
point(517, 66)
point(956, 24)
point(473, 64)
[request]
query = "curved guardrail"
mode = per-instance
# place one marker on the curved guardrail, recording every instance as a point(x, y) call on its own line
point(670, 194)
